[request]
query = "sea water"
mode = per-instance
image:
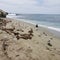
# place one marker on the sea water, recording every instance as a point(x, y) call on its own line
point(51, 21)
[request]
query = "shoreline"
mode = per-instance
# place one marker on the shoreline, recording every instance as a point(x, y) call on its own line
point(54, 31)
point(35, 22)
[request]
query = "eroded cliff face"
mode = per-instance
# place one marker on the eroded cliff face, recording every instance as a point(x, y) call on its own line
point(3, 13)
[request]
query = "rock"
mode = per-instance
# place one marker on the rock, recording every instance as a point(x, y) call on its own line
point(3, 13)
point(49, 44)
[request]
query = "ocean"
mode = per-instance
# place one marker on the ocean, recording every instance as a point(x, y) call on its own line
point(51, 21)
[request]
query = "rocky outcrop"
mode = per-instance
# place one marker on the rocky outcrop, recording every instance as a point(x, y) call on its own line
point(3, 13)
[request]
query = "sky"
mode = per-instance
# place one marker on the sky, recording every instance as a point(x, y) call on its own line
point(31, 6)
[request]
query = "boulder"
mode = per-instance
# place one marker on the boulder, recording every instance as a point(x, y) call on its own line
point(3, 13)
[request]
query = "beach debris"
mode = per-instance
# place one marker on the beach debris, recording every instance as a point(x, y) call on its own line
point(49, 43)
point(36, 25)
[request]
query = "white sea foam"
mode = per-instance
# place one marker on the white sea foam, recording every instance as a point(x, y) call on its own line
point(57, 29)
point(50, 27)
point(11, 14)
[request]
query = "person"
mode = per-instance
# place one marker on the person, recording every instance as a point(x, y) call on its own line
point(36, 25)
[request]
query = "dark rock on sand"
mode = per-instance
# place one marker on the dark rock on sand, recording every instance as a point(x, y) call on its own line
point(49, 43)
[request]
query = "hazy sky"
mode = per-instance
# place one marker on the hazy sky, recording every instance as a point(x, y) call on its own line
point(31, 6)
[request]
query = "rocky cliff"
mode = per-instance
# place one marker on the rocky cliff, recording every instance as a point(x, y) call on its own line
point(3, 13)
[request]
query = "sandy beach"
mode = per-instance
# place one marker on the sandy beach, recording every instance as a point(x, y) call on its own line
point(23, 41)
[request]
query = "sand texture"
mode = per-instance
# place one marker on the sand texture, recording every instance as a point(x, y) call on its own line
point(23, 41)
